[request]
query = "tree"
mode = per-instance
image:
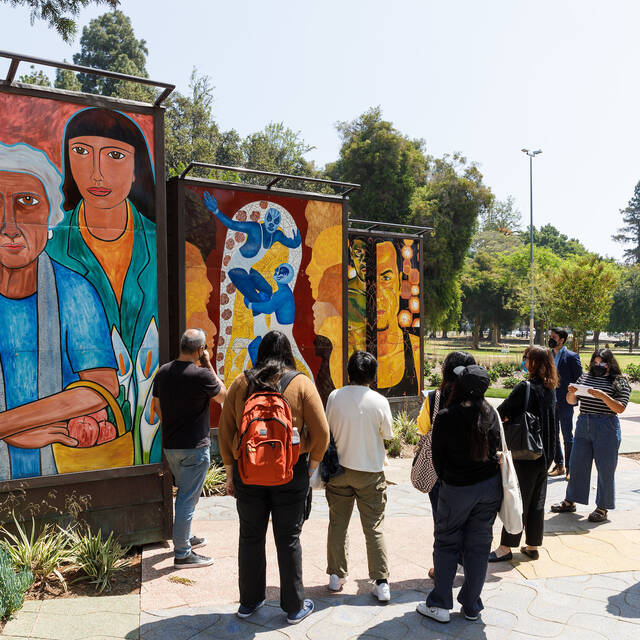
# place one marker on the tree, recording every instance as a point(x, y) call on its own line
point(110, 43)
point(450, 202)
point(546, 266)
point(501, 216)
point(67, 80)
point(281, 150)
point(57, 13)
point(190, 130)
point(559, 243)
point(625, 311)
point(629, 233)
point(387, 164)
point(488, 294)
point(583, 295)
point(38, 78)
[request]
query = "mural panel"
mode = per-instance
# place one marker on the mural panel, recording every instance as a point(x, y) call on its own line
point(253, 265)
point(384, 294)
point(78, 288)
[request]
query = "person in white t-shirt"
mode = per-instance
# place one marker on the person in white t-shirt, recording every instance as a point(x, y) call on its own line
point(360, 421)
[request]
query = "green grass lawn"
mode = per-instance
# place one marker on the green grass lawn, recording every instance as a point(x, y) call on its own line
point(511, 351)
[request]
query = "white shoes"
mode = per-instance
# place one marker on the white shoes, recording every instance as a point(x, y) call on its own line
point(335, 583)
point(436, 613)
point(382, 592)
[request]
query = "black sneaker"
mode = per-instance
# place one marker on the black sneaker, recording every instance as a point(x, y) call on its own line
point(196, 542)
point(192, 561)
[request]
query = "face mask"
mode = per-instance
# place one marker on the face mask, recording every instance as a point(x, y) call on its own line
point(552, 343)
point(599, 370)
point(524, 368)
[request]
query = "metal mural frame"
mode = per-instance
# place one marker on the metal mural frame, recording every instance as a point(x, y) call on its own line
point(376, 230)
point(135, 502)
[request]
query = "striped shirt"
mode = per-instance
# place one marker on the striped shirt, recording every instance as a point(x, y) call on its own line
point(618, 389)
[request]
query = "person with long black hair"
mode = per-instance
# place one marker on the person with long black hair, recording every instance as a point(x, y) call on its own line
point(466, 438)
point(532, 474)
point(597, 436)
point(284, 503)
point(438, 398)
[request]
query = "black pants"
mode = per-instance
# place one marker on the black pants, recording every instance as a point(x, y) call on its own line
point(532, 477)
point(286, 505)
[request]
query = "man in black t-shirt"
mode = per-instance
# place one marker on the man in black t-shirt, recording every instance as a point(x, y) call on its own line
point(182, 390)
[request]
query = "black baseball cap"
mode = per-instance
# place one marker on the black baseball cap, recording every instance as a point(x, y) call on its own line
point(473, 379)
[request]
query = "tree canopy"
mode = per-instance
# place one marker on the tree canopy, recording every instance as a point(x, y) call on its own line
point(58, 14)
point(388, 165)
point(629, 233)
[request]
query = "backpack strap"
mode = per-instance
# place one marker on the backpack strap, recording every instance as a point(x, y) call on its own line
point(286, 378)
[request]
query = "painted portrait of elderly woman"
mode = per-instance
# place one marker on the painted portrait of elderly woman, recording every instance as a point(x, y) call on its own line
point(57, 366)
point(108, 235)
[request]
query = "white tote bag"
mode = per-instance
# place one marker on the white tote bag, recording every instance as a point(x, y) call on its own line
point(511, 508)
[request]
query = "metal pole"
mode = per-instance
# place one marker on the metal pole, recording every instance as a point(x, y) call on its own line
point(531, 320)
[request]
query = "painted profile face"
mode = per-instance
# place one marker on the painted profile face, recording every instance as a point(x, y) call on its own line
point(388, 286)
point(103, 169)
point(24, 211)
point(272, 220)
point(358, 253)
point(283, 273)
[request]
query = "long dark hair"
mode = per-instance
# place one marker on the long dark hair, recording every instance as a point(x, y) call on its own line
point(108, 123)
point(481, 419)
point(542, 366)
point(608, 358)
point(453, 360)
point(274, 358)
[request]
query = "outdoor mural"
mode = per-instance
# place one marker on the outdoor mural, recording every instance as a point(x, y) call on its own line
point(78, 288)
point(383, 280)
point(254, 265)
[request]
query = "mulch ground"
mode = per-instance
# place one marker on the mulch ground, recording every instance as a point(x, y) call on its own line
point(124, 582)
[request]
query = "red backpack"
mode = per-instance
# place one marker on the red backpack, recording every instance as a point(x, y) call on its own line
point(269, 446)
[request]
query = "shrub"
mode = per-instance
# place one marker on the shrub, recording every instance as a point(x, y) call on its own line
point(405, 431)
point(427, 367)
point(13, 585)
point(42, 555)
point(214, 481)
point(493, 374)
point(98, 559)
point(510, 382)
point(504, 369)
point(633, 371)
point(435, 379)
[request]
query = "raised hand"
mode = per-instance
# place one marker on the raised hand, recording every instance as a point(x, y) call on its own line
point(43, 436)
point(210, 202)
point(296, 238)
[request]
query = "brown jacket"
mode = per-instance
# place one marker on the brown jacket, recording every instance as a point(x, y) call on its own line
point(306, 410)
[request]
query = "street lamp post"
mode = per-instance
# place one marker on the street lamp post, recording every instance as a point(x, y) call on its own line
point(532, 155)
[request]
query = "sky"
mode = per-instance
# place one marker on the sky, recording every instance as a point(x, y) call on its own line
point(483, 78)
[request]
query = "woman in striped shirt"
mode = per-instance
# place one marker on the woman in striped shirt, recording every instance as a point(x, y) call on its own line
point(597, 435)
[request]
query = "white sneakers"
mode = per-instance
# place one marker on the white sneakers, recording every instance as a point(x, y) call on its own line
point(335, 583)
point(436, 613)
point(382, 592)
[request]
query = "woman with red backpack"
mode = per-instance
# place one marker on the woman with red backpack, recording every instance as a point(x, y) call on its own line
point(272, 435)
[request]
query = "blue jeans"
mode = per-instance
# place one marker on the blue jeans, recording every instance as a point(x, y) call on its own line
point(564, 422)
point(189, 468)
point(597, 439)
point(464, 522)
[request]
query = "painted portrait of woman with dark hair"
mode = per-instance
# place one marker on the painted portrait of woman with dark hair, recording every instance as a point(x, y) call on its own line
point(108, 235)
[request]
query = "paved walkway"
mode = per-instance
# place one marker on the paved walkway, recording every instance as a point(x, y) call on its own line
point(586, 584)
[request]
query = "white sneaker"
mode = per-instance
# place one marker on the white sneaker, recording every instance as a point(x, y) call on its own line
point(438, 614)
point(382, 591)
point(335, 583)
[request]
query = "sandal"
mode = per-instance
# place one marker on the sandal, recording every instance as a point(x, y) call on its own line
point(598, 515)
point(564, 507)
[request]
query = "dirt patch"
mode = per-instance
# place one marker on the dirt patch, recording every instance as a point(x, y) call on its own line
point(633, 456)
point(124, 582)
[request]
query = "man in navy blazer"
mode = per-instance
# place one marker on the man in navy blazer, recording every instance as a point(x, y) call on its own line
point(569, 370)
